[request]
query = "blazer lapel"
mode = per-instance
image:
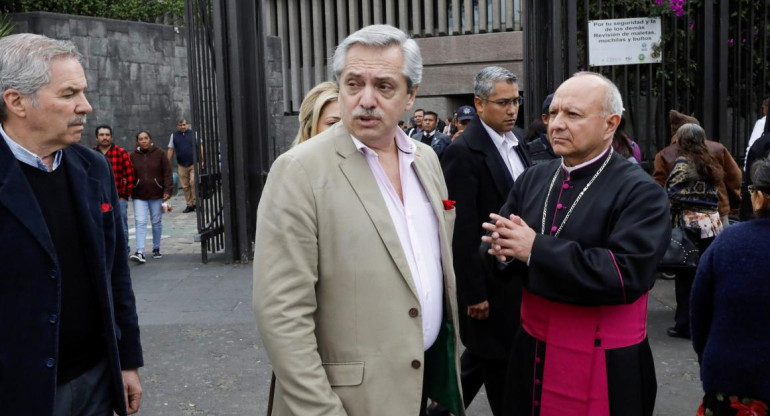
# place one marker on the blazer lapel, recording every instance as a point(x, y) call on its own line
point(356, 169)
point(86, 194)
point(422, 170)
point(480, 141)
point(17, 195)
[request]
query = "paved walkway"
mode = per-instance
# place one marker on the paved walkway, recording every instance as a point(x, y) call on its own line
point(203, 355)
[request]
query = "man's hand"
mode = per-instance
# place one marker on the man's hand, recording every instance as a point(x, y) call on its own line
point(509, 237)
point(459, 132)
point(132, 391)
point(479, 311)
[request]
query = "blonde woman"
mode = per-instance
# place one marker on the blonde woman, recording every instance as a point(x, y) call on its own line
point(319, 111)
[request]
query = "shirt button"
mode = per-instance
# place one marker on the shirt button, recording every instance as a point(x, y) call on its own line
point(50, 362)
point(52, 318)
point(416, 364)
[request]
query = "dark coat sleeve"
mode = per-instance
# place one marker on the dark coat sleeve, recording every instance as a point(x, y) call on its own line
point(630, 229)
point(702, 302)
point(463, 186)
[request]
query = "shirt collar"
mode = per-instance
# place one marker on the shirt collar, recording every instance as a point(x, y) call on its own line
point(25, 156)
point(405, 145)
point(508, 138)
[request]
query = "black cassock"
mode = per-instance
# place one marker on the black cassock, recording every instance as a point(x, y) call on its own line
point(605, 253)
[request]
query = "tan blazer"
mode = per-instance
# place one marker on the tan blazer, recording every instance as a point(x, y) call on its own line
point(333, 295)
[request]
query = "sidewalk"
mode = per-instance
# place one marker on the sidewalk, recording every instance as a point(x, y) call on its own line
point(203, 355)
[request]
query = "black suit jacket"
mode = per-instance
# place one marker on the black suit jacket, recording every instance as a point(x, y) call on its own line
point(30, 286)
point(478, 179)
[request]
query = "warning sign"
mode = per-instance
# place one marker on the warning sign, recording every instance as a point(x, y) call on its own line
point(624, 41)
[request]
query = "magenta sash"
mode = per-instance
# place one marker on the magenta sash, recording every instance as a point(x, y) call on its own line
point(575, 374)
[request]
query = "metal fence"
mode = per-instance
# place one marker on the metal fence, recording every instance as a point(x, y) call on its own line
point(203, 100)
point(310, 29)
point(715, 64)
point(228, 98)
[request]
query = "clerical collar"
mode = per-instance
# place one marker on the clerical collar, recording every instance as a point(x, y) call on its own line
point(499, 139)
point(570, 169)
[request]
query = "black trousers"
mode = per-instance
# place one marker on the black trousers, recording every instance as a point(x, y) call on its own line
point(476, 371)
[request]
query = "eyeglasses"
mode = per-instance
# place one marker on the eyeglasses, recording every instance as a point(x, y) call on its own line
point(505, 102)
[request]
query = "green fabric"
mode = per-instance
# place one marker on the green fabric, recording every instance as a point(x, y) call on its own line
point(441, 371)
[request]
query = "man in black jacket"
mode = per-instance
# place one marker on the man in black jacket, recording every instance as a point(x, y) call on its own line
point(69, 334)
point(480, 168)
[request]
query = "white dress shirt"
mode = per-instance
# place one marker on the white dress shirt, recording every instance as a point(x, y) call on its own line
point(417, 227)
point(506, 145)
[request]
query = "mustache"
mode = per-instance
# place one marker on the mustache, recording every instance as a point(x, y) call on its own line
point(78, 121)
point(367, 112)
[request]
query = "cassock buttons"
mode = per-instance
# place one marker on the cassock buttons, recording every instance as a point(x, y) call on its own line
point(565, 186)
point(416, 364)
point(559, 206)
point(554, 228)
point(413, 312)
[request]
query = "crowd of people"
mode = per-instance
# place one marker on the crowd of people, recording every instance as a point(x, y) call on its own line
point(380, 247)
point(552, 298)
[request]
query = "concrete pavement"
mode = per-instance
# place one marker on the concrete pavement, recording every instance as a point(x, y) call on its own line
point(203, 355)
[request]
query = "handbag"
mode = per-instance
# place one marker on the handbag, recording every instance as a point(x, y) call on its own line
point(682, 251)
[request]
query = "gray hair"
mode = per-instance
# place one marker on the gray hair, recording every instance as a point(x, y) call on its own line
point(488, 77)
point(760, 174)
point(613, 102)
point(382, 36)
point(25, 63)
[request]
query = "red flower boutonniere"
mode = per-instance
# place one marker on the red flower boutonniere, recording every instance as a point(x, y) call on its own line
point(106, 207)
point(752, 408)
point(449, 204)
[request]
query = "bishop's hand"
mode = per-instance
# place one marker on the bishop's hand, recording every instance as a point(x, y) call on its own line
point(509, 238)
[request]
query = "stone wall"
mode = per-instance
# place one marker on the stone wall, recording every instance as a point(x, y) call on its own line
point(137, 72)
point(282, 128)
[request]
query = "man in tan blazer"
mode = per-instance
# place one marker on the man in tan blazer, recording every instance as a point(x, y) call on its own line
point(354, 289)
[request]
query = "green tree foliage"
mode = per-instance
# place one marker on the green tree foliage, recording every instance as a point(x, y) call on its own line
point(152, 11)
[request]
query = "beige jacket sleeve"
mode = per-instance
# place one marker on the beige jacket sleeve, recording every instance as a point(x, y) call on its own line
point(284, 296)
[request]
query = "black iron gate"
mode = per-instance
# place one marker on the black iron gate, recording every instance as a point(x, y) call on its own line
point(227, 96)
point(715, 63)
